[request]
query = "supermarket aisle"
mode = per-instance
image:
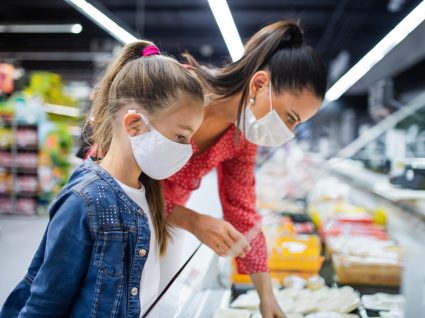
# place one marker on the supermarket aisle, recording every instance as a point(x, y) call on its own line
point(19, 239)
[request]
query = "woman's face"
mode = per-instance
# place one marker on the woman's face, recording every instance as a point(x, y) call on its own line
point(293, 107)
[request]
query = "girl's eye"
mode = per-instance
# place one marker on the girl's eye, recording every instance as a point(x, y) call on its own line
point(181, 139)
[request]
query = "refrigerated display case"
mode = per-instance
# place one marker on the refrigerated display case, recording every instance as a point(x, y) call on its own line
point(198, 289)
point(377, 224)
point(384, 222)
point(397, 192)
point(195, 282)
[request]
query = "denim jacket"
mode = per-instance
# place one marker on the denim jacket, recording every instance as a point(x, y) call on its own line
point(91, 258)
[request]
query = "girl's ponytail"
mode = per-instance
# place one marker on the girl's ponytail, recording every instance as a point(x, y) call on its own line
point(101, 118)
point(155, 198)
point(141, 78)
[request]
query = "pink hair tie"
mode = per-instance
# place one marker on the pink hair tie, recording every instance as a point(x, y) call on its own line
point(151, 50)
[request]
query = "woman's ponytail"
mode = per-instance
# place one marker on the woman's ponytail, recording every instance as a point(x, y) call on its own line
point(278, 48)
point(265, 43)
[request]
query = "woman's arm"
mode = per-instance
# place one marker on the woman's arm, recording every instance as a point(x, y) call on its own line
point(211, 231)
point(238, 198)
point(268, 304)
point(217, 234)
point(183, 218)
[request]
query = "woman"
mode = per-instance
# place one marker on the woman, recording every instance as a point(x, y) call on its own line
point(278, 83)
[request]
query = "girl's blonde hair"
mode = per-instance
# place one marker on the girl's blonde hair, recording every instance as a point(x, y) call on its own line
point(153, 83)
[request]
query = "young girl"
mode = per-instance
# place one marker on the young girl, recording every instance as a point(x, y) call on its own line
point(99, 256)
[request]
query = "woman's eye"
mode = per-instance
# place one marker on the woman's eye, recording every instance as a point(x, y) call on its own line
point(291, 120)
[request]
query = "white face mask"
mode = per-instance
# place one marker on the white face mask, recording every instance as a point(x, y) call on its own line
point(156, 155)
point(269, 131)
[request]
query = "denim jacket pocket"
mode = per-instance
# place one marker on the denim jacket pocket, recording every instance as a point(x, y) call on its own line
point(110, 249)
point(109, 259)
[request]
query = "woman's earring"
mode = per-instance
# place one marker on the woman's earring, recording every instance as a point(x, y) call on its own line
point(251, 101)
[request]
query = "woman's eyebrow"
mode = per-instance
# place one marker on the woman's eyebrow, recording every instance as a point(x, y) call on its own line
point(296, 115)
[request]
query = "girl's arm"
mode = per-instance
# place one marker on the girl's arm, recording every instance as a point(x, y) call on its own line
point(67, 255)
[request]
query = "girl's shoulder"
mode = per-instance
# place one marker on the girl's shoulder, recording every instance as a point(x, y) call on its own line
point(91, 182)
point(86, 185)
point(96, 191)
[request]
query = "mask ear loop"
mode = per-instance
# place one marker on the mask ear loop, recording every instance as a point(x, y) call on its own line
point(142, 118)
point(270, 96)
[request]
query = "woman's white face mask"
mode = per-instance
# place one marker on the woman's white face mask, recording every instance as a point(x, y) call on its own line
point(269, 131)
point(156, 155)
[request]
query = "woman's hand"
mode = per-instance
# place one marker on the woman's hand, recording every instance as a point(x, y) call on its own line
point(217, 234)
point(269, 306)
point(220, 236)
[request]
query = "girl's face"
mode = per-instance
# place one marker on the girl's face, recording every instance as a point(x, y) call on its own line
point(293, 108)
point(178, 124)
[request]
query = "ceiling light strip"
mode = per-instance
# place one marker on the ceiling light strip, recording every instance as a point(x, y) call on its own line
point(226, 24)
point(398, 34)
point(41, 28)
point(103, 21)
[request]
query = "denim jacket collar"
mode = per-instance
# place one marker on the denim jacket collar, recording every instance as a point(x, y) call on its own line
point(105, 175)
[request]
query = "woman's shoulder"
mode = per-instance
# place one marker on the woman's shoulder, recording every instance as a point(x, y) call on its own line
point(230, 145)
point(237, 144)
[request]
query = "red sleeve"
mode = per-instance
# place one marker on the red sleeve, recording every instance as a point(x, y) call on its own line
point(174, 194)
point(237, 193)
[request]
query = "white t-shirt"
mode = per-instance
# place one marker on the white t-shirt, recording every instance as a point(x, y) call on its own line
point(150, 281)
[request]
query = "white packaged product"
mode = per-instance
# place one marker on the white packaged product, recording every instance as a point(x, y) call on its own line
point(232, 313)
point(384, 302)
point(331, 315)
point(250, 301)
point(304, 301)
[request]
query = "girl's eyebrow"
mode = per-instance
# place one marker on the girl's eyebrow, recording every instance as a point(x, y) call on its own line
point(296, 114)
point(185, 127)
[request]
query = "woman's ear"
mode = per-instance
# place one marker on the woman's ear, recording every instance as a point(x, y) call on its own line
point(134, 124)
point(258, 81)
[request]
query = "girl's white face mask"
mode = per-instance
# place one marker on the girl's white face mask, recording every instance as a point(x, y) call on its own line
point(269, 131)
point(156, 155)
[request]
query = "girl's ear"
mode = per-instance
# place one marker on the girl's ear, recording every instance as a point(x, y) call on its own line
point(134, 124)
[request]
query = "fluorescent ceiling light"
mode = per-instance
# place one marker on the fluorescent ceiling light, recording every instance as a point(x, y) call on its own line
point(103, 21)
point(76, 28)
point(41, 28)
point(401, 31)
point(227, 27)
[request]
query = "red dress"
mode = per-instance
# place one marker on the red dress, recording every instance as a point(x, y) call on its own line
point(235, 165)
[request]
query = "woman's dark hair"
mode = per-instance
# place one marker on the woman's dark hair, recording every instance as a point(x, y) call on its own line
point(278, 48)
